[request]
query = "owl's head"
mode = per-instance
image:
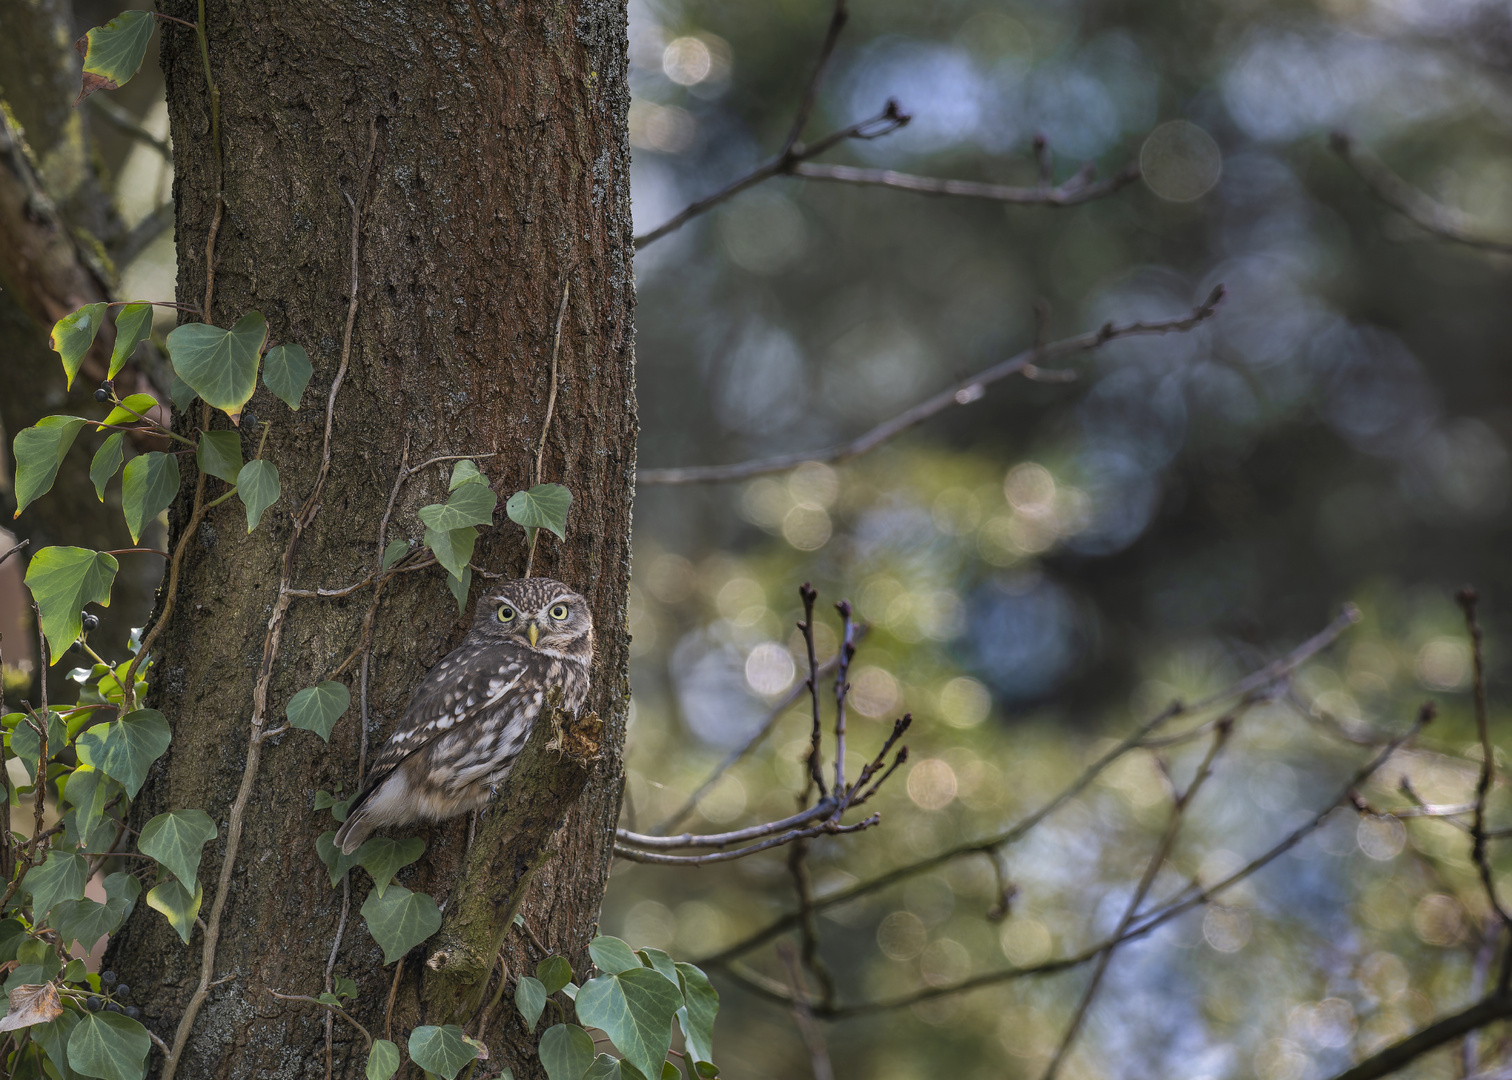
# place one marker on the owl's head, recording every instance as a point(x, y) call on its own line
point(538, 614)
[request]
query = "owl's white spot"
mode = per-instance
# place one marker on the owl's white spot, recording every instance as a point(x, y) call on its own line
point(471, 701)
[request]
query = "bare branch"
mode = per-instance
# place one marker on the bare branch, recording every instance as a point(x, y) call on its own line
point(1401, 1054)
point(717, 840)
point(962, 393)
point(1075, 191)
point(803, 1016)
point(13, 550)
point(827, 828)
point(1152, 868)
point(1251, 684)
point(121, 119)
point(838, 19)
point(1391, 189)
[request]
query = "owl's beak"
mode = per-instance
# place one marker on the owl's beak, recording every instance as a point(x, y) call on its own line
point(535, 632)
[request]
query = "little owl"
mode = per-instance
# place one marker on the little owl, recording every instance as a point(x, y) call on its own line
point(471, 715)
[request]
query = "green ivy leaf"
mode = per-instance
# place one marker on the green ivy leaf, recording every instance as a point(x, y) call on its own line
point(53, 1038)
point(566, 1052)
point(345, 987)
point(257, 487)
point(383, 858)
point(701, 1003)
point(148, 486)
point(530, 999)
point(466, 472)
point(62, 580)
point(106, 461)
point(612, 955)
point(130, 411)
point(396, 550)
point(112, 55)
point(60, 877)
point(133, 325)
point(86, 921)
point(635, 1009)
point(12, 934)
point(544, 506)
point(123, 886)
point(317, 708)
point(460, 586)
point(336, 863)
point(554, 972)
point(109, 1045)
point(399, 920)
point(657, 960)
point(88, 791)
point(178, 905)
point(605, 1067)
point(219, 454)
point(220, 365)
point(383, 1060)
point(182, 393)
point(453, 549)
point(177, 839)
point(37, 962)
point(469, 504)
point(75, 333)
point(124, 749)
point(286, 372)
point(38, 451)
point(440, 1050)
point(25, 744)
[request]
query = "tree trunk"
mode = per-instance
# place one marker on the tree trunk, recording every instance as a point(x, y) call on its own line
point(497, 175)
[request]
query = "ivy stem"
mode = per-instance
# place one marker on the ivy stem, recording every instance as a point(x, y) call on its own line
point(222, 498)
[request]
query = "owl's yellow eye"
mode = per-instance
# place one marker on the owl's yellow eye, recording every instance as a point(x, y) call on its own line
point(559, 612)
point(506, 613)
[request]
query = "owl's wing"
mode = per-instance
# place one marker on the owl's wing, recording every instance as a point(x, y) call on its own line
point(471, 680)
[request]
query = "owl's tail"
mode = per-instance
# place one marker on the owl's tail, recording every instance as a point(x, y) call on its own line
point(358, 826)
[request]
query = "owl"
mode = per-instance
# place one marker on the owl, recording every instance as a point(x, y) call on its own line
point(471, 715)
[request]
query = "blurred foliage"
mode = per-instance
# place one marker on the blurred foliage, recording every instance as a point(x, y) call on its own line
point(1047, 567)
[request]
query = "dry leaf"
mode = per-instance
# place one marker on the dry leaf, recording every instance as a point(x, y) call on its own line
point(31, 1004)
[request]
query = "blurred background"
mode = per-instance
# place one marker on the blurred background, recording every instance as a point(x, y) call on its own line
point(1045, 568)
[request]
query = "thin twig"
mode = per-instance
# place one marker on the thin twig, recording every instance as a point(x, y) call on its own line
point(842, 690)
point(1073, 192)
point(962, 393)
point(826, 828)
point(337, 1009)
point(556, 345)
point(808, 594)
point(803, 1015)
point(1391, 189)
point(1254, 683)
point(823, 809)
point(39, 786)
point(122, 120)
point(838, 19)
point(808, 928)
point(1131, 910)
point(1399, 1055)
point(15, 548)
point(388, 1013)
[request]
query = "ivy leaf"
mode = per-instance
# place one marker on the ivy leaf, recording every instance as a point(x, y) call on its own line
point(466, 472)
point(109, 1045)
point(257, 487)
point(399, 920)
point(123, 886)
point(62, 580)
point(178, 905)
point(106, 461)
point(566, 1052)
point(133, 325)
point(75, 333)
point(124, 749)
point(86, 921)
point(605, 1067)
point(657, 960)
point(453, 549)
point(148, 487)
point(635, 1009)
point(25, 744)
point(53, 1038)
point(383, 858)
point(530, 999)
point(219, 454)
point(220, 365)
point(88, 791)
point(554, 972)
point(61, 877)
point(286, 372)
point(383, 1060)
point(37, 962)
point(182, 393)
point(38, 451)
point(460, 586)
point(112, 55)
point(12, 934)
point(697, 1014)
point(396, 550)
point(317, 708)
point(440, 1050)
point(177, 839)
point(611, 955)
point(345, 987)
point(336, 863)
point(469, 504)
point(131, 409)
point(542, 507)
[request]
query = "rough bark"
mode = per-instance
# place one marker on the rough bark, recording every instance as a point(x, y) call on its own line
point(500, 173)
